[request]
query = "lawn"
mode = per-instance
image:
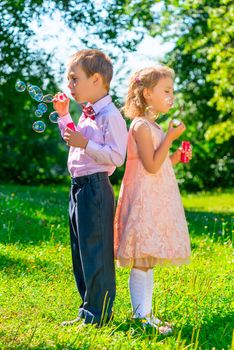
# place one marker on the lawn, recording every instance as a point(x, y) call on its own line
point(37, 290)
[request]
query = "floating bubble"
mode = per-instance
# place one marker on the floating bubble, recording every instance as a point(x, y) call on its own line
point(42, 107)
point(176, 113)
point(20, 86)
point(29, 87)
point(35, 92)
point(47, 98)
point(39, 126)
point(38, 113)
point(169, 101)
point(53, 117)
point(176, 122)
point(177, 108)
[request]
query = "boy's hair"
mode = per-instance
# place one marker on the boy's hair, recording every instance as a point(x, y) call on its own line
point(94, 61)
point(135, 104)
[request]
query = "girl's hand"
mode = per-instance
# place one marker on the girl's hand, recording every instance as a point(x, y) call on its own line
point(188, 153)
point(74, 138)
point(176, 156)
point(174, 133)
point(61, 106)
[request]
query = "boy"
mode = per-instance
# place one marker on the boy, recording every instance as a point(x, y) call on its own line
point(97, 146)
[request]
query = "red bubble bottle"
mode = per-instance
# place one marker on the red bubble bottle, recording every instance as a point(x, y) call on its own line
point(185, 147)
point(71, 126)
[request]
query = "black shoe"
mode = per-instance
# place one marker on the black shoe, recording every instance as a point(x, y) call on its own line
point(72, 322)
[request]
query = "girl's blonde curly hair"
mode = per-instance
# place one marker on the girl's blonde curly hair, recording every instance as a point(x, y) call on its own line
point(135, 104)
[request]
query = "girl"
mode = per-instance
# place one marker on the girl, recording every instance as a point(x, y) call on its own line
point(150, 224)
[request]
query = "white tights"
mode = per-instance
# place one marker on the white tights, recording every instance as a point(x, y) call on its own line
point(141, 291)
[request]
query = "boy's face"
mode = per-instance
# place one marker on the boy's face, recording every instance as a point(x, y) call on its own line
point(81, 87)
point(161, 97)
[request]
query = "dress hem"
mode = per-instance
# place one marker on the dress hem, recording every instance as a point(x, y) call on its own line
point(151, 261)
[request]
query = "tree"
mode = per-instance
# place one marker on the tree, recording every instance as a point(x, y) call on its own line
point(202, 61)
point(27, 157)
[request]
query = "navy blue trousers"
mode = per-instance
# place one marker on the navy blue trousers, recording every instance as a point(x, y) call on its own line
point(91, 217)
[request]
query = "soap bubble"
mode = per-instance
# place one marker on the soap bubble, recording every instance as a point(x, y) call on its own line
point(177, 108)
point(29, 87)
point(53, 117)
point(35, 92)
point(47, 98)
point(20, 86)
point(39, 126)
point(38, 113)
point(42, 107)
point(176, 122)
point(170, 101)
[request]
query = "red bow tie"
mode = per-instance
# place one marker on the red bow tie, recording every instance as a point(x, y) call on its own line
point(88, 112)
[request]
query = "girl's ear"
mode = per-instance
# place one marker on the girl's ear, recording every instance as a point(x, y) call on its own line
point(146, 94)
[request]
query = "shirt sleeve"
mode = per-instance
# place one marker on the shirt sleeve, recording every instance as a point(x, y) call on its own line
point(63, 121)
point(113, 151)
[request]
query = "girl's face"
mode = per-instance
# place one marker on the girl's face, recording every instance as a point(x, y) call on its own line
point(161, 96)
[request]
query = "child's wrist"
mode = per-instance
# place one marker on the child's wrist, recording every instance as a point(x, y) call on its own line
point(169, 140)
point(63, 114)
point(85, 143)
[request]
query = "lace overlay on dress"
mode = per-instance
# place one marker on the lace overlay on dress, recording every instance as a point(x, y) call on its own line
point(150, 224)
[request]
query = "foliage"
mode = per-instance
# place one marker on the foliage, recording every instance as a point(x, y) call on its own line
point(202, 59)
point(202, 32)
point(27, 157)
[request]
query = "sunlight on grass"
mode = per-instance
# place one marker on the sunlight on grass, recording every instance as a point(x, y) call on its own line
point(221, 202)
point(37, 290)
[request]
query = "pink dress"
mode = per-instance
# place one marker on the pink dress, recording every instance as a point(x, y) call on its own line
point(150, 224)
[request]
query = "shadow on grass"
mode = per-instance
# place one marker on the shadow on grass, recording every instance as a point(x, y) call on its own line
point(33, 215)
point(27, 230)
point(217, 226)
point(18, 266)
point(216, 332)
point(29, 213)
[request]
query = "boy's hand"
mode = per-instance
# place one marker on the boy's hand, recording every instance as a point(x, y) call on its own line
point(74, 138)
point(61, 105)
point(174, 133)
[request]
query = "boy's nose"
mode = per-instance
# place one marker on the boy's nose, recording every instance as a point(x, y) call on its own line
point(69, 85)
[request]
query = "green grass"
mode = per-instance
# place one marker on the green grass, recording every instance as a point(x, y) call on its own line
point(37, 290)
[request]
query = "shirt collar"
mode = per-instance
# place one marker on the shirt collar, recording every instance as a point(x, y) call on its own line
point(97, 106)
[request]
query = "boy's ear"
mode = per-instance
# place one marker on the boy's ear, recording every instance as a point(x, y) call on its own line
point(96, 78)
